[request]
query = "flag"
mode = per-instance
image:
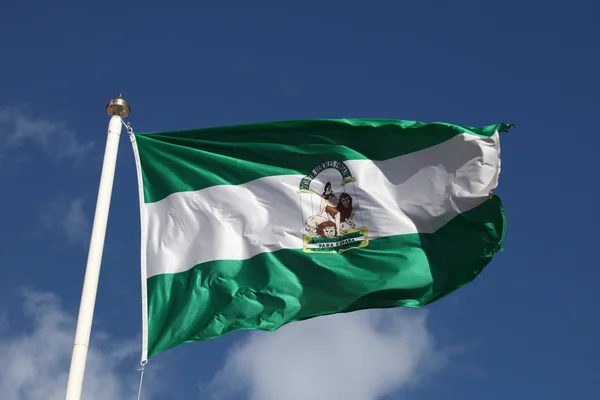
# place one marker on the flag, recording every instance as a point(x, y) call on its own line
point(255, 226)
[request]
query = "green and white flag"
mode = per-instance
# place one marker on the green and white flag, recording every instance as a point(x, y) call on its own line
point(256, 226)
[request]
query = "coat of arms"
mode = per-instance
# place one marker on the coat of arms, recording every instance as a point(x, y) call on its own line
point(331, 226)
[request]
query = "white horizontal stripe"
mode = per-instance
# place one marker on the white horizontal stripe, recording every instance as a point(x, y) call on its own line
point(417, 192)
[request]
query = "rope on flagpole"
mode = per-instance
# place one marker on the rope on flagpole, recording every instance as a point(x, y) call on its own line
point(143, 364)
point(129, 129)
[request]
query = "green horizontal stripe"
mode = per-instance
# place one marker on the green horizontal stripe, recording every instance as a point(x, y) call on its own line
point(273, 289)
point(192, 160)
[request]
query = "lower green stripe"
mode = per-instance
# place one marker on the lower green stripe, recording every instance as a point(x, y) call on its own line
point(272, 289)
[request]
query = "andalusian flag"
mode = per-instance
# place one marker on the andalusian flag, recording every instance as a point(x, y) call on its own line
point(255, 226)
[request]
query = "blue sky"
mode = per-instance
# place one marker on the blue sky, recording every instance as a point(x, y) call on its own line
point(526, 328)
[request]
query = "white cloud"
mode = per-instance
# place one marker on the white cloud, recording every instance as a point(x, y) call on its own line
point(69, 218)
point(35, 364)
point(357, 356)
point(76, 224)
point(18, 128)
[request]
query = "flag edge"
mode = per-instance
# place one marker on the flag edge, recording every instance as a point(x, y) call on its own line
point(143, 245)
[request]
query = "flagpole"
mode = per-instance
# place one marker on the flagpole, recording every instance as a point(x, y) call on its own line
point(117, 108)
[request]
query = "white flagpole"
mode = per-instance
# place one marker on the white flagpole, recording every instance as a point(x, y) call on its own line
point(117, 108)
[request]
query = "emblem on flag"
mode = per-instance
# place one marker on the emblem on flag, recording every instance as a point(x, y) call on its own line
point(331, 228)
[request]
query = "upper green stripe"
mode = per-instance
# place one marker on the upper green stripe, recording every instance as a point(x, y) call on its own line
point(192, 160)
point(273, 289)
